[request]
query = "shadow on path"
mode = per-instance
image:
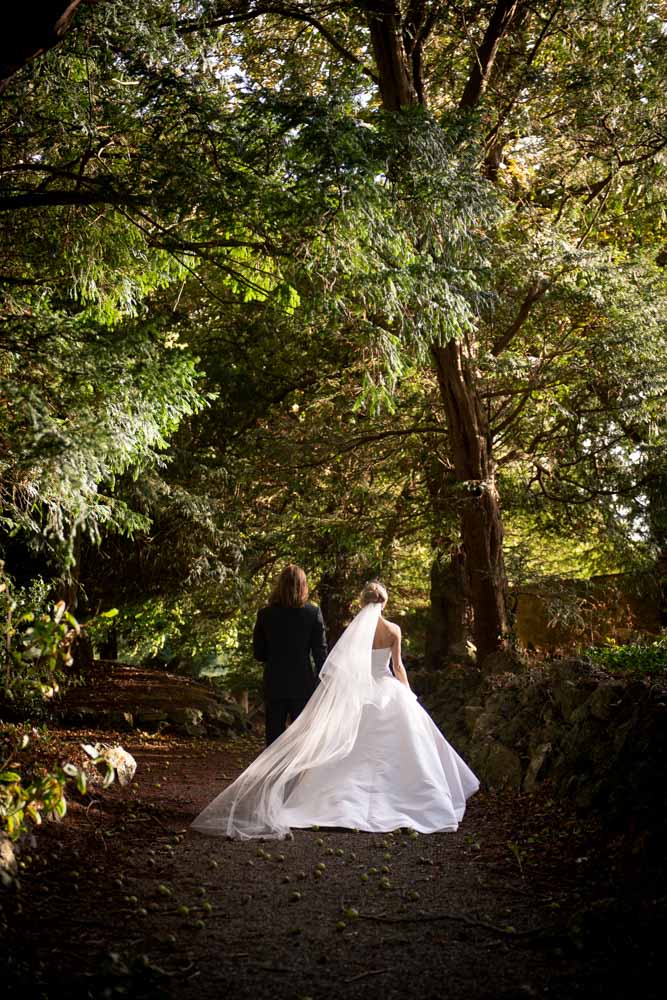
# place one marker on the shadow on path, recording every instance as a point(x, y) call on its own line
point(123, 900)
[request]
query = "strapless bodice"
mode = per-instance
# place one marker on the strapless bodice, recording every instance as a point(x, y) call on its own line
point(380, 662)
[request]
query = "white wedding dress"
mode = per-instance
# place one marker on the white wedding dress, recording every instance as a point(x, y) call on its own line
point(401, 771)
point(362, 755)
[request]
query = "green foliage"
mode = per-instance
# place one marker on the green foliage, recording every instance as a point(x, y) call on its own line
point(641, 658)
point(116, 164)
point(35, 655)
point(203, 634)
point(223, 271)
point(76, 424)
point(26, 800)
point(155, 630)
point(405, 259)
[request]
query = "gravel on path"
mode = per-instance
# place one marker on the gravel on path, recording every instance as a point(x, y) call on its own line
point(122, 899)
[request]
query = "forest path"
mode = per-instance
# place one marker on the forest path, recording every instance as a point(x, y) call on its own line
point(516, 904)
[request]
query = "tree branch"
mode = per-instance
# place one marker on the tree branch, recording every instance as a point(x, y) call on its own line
point(513, 414)
point(417, 26)
point(289, 13)
point(32, 30)
point(365, 439)
point(485, 57)
point(492, 137)
point(46, 199)
point(535, 293)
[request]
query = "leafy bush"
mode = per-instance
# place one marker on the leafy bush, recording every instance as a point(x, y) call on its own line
point(192, 635)
point(26, 800)
point(641, 658)
point(35, 655)
point(235, 674)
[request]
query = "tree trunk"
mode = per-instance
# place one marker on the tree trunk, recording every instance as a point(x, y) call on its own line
point(448, 625)
point(31, 30)
point(469, 439)
point(485, 56)
point(335, 603)
point(393, 67)
point(481, 521)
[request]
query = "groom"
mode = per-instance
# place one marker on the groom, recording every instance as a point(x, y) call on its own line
point(287, 633)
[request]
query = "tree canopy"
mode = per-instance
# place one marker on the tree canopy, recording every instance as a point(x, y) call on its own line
point(363, 285)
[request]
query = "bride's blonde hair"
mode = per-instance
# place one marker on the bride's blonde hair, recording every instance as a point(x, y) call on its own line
point(374, 592)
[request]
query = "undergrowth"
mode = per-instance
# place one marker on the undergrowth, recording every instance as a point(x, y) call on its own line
point(644, 658)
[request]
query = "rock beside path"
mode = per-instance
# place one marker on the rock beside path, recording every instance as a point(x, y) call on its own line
point(121, 697)
point(595, 739)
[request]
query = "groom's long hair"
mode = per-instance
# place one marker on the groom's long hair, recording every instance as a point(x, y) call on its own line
point(291, 588)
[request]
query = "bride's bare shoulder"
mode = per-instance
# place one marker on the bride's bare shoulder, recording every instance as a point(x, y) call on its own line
point(386, 634)
point(391, 627)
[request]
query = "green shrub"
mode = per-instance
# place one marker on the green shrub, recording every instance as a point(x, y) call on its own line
point(35, 658)
point(27, 799)
point(640, 657)
point(192, 635)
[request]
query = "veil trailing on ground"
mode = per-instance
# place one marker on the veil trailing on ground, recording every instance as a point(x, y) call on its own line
point(325, 731)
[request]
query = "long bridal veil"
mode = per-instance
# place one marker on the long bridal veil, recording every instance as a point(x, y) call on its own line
point(325, 731)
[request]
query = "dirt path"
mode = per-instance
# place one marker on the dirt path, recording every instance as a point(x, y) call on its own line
point(523, 901)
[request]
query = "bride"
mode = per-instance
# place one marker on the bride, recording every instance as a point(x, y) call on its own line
point(363, 754)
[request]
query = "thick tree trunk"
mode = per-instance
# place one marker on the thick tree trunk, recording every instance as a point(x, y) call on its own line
point(31, 29)
point(448, 626)
point(481, 521)
point(335, 603)
point(393, 66)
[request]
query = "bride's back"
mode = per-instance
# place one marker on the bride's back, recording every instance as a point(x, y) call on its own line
point(386, 634)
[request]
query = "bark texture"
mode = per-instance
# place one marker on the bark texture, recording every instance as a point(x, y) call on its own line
point(393, 67)
point(448, 625)
point(485, 56)
point(32, 29)
point(481, 520)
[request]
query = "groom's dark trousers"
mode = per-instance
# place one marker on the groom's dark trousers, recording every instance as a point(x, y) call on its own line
point(289, 642)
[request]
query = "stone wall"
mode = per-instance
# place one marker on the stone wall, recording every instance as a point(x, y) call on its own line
point(593, 738)
point(122, 697)
point(568, 614)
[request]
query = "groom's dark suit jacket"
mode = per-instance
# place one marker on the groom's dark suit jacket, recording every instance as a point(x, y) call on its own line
point(283, 641)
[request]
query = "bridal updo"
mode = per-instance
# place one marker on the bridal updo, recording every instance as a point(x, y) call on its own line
point(374, 593)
